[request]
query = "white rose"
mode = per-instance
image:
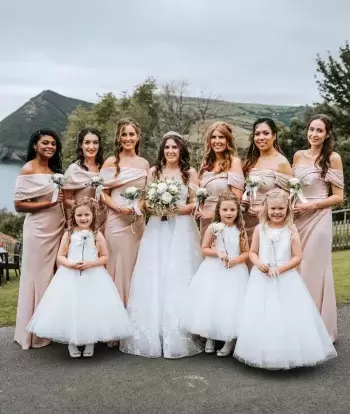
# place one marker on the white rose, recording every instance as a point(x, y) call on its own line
point(294, 181)
point(131, 190)
point(218, 227)
point(151, 193)
point(255, 179)
point(173, 189)
point(166, 197)
point(153, 185)
point(201, 191)
point(161, 187)
point(169, 182)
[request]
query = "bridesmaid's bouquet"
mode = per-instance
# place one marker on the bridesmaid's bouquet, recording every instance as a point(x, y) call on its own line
point(200, 197)
point(132, 194)
point(252, 184)
point(97, 183)
point(162, 196)
point(296, 191)
point(58, 181)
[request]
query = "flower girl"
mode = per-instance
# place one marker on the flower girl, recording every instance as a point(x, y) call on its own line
point(214, 298)
point(280, 326)
point(81, 305)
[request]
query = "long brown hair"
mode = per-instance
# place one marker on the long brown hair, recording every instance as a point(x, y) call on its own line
point(184, 157)
point(323, 160)
point(239, 221)
point(209, 156)
point(93, 207)
point(118, 133)
point(253, 153)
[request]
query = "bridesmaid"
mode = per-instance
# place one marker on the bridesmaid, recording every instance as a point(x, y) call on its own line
point(321, 174)
point(221, 170)
point(123, 230)
point(264, 160)
point(89, 160)
point(42, 229)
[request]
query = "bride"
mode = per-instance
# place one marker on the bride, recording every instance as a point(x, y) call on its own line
point(168, 256)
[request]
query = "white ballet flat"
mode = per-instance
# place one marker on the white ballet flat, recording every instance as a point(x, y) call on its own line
point(210, 349)
point(89, 351)
point(74, 351)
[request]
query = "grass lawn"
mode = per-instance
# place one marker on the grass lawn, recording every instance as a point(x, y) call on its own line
point(341, 266)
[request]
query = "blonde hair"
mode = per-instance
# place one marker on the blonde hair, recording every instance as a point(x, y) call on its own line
point(118, 133)
point(92, 205)
point(209, 156)
point(277, 194)
point(239, 221)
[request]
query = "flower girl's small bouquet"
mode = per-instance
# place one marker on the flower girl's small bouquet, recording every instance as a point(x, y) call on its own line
point(58, 181)
point(132, 195)
point(162, 196)
point(97, 183)
point(296, 191)
point(200, 197)
point(218, 231)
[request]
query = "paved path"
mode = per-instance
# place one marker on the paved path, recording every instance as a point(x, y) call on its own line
point(48, 381)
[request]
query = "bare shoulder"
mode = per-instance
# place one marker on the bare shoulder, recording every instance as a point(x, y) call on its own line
point(298, 156)
point(144, 164)
point(109, 162)
point(236, 164)
point(336, 161)
point(27, 169)
point(284, 166)
point(100, 236)
point(192, 172)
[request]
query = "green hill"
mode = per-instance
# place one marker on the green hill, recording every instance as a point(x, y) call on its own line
point(48, 109)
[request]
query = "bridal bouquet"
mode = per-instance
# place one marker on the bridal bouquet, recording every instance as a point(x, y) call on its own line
point(296, 191)
point(162, 196)
point(97, 183)
point(58, 181)
point(132, 194)
point(200, 197)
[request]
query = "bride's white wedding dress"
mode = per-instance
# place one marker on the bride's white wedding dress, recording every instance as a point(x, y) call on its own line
point(168, 256)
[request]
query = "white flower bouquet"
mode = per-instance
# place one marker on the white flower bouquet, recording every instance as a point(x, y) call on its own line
point(252, 182)
point(132, 195)
point(162, 196)
point(200, 197)
point(296, 191)
point(97, 183)
point(218, 231)
point(58, 181)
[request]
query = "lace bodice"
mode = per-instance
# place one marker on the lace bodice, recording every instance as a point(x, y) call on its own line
point(82, 246)
point(229, 241)
point(275, 245)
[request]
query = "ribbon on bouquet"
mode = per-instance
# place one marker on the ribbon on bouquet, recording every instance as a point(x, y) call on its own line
point(56, 190)
point(136, 208)
point(99, 193)
point(296, 194)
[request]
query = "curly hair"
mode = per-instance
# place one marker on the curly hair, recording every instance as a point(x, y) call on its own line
point(323, 160)
point(93, 206)
point(253, 153)
point(277, 194)
point(184, 158)
point(209, 156)
point(118, 133)
point(55, 162)
point(79, 151)
point(239, 221)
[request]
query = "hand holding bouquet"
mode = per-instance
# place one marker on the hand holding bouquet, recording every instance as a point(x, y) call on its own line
point(97, 183)
point(58, 181)
point(132, 195)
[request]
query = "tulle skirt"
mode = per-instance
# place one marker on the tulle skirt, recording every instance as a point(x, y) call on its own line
point(214, 299)
point(81, 309)
point(280, 326)
point(168, 256)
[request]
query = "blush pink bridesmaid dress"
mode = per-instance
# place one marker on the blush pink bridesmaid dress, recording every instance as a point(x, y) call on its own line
point(270, 179)
point(315, 229)
point(42, 233)
point(77, 180)
point(216, 184)
point(123, 233)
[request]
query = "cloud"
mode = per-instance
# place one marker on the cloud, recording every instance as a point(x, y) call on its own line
point(254, 51)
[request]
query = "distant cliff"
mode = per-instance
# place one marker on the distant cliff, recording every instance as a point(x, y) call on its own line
point(48, 109)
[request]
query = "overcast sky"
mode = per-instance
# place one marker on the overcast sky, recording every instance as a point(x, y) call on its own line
point(241, 50)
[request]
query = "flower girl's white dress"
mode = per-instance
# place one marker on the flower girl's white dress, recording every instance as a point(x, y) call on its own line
point(168, 256)
point(214, 299)
point(81, 307)
point(280, 327)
